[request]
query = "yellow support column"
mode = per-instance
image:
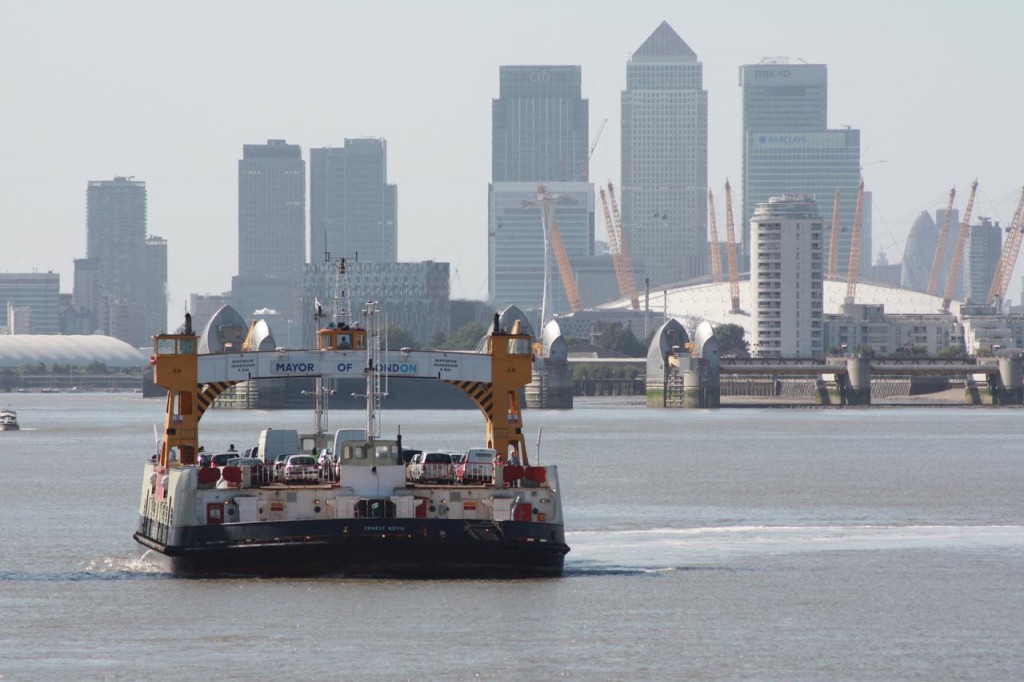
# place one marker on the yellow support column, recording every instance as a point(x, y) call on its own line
point(177, 369)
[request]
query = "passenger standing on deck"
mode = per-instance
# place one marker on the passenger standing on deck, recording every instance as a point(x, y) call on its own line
point(513, 461)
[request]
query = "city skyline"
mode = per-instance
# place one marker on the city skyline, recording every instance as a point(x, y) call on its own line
point(169, 94)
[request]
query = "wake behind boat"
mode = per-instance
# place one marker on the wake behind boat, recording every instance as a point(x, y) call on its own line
point(368, 513)
point(8, 420)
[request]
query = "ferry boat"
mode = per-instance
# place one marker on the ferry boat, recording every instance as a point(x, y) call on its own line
point(361, 515)
point(8, 420)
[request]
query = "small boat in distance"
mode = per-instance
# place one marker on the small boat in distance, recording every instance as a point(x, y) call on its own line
point(8, 420)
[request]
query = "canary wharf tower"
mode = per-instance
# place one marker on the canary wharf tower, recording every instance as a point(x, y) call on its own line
point(665, 158)
point(539, 131)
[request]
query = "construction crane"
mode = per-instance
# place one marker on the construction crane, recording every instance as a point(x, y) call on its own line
point(613, 247)
point(716, 257)
point(730, 240)
point(627, 261)
point(585, 168)
point(940, 250)
point(958, 251)
point(833, 244)
point(572, 292)
point(854, 266)
point(1008, 256)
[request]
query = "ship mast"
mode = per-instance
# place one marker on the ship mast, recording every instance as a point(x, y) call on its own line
point(319, 389)
point(373, 366)
point(340, 295)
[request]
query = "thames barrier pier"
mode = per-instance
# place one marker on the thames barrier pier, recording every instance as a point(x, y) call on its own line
point(685, 373)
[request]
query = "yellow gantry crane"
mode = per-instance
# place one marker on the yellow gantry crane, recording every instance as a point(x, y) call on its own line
point(940, 249)
point(613, 247)
point(623, 244)
point(958, 251)
point(854, 266)
point(1008, 256)
point(833, 244)
point(572, 292)
point(730, 241)
point(716, 257)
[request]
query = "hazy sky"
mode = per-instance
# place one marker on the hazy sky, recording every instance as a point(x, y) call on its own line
point(168, 92)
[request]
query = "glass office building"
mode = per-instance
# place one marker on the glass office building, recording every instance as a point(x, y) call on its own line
point(665, 158)
point(815, 164)
point(353, 211)
point(271, 229)
point(788, 148)
point(981, 257)
point(539, 125)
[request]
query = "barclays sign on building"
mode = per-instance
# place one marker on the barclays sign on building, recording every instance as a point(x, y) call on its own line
point(782, 139)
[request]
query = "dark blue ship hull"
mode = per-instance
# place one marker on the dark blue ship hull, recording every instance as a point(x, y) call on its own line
point(407, 548)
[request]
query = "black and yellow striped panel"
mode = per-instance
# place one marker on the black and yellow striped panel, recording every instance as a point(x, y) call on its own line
point(481, 393)
point(209, 392)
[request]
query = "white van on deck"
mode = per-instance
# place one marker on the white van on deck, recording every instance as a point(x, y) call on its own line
point(276, 442)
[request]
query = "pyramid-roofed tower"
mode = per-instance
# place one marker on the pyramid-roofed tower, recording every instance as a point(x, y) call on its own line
point(664, 43)
point(664, 158)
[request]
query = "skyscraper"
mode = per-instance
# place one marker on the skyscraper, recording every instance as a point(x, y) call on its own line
point(786, 277)
point(271, 228)
point(780, 96)
point(814, 164)
point(353, 210)
point(981, 256)
point(37, 291)
point(665, 158)
point(539, 134)
point(788, 148)
point(539, 125)
point(919, 253)
point(156, 285)
point(118, 286)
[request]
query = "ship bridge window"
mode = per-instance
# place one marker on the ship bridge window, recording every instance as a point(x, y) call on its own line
point(165, 346)
point(518, 346)
point(353, 452)
point(387, 453)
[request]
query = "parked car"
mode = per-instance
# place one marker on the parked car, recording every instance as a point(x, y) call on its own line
point(477, 467)
point(276, 466)
point(259, 473)
point(299, 468)
point(221, 458)
point(430, 467)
